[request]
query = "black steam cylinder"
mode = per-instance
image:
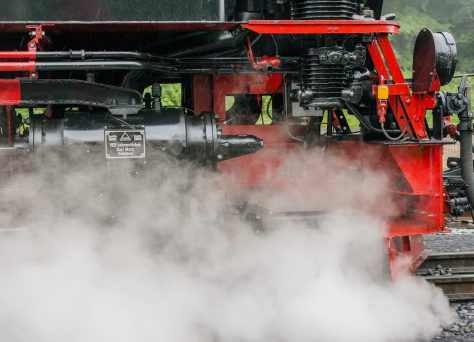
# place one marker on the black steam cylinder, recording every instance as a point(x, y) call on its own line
point(327, 69)
point(196, 138)
point(326, 73)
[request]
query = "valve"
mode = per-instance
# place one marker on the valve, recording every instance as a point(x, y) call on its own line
point(265, 63)
point(382, 101)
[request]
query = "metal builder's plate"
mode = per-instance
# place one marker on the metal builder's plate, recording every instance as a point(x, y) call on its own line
point(124, 143)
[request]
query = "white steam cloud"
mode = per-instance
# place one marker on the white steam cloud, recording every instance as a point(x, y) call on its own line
point(161, 258)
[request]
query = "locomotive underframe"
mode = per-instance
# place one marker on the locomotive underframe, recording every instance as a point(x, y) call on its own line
point(414, 166)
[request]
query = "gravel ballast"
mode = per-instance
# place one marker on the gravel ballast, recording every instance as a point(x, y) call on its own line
point(461, 239)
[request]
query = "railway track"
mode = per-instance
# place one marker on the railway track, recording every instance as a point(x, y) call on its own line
point(452, 272)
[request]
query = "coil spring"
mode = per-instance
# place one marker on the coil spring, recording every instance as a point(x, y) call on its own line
point(326, 81)
point(324, 9)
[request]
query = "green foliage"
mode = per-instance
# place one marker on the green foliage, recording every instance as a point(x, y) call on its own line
point(171, 94)
point(456, 17)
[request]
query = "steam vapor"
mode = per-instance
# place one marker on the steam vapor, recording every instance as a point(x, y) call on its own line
point(119, 254)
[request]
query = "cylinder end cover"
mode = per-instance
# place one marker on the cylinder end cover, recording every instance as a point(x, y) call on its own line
point(434, 52)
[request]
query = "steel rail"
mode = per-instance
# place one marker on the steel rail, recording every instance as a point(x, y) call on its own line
point(452, 272)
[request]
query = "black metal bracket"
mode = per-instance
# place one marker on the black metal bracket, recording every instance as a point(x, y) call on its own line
point(465, 116)
point(346, 129)
point(119, 101)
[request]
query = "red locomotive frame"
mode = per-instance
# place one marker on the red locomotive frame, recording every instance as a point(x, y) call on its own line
point(415, 167)
point(420, 163)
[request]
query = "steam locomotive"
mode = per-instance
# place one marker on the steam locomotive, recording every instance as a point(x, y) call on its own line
point(258, 80)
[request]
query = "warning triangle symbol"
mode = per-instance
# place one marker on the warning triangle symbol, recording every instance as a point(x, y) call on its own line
point(125, 137)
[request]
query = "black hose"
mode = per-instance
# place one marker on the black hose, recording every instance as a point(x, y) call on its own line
point(398, 138)
point(367, 124)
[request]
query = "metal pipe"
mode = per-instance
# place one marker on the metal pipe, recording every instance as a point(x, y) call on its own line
point(10, 127)
point(130, 65)
point(465, 129)
point(103, 65)
point(83, 55)
point(17, 54)
point(330, 123)
point(125, 60)
point(467, 169)
point(18, 66)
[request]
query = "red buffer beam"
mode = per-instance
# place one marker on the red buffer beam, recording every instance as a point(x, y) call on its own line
point(322, 26)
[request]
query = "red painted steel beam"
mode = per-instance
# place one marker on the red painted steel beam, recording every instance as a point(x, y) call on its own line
point(391, 59)
point(409, 104)
point(232, 84)
point(31, 55)
point(399, 89)
point(322, 26)
point(10, 92)
point(404, 105)
point(18, 66)
point(382, 70)
point(377, 59)
point(202, 93)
